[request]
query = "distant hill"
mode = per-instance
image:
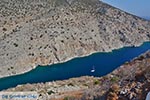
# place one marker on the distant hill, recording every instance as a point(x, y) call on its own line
point(147, 18)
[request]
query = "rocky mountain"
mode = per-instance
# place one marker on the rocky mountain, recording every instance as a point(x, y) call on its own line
point(43, 32)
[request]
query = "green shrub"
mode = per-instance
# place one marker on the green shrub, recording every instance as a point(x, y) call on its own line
point(69, 98)
point(96, 82)
point(114, 79)
point(66, 98)
point(50, 92)
point(70, 84)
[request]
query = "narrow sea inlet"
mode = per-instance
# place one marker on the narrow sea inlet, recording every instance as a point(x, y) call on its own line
point(101, 63)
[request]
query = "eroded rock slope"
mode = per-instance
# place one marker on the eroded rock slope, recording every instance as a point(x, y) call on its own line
point(42, 32)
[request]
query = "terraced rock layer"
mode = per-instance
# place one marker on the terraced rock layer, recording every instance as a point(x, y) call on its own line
point(43, 32)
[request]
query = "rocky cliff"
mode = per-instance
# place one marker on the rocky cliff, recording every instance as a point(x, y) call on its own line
point(42, 32)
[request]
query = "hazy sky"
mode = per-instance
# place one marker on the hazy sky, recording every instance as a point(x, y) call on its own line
point(140, 8)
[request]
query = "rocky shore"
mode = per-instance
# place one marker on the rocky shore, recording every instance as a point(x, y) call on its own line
point(43, 32)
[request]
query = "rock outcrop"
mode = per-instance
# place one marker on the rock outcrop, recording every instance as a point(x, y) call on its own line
point(43, 32)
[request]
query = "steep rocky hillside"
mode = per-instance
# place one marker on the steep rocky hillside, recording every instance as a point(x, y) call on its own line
point(42, 32)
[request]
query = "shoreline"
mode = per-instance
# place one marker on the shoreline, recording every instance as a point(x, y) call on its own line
point(58, 33)
point(35, 66)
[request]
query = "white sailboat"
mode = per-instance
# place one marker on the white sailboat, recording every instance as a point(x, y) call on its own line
point(93, 70)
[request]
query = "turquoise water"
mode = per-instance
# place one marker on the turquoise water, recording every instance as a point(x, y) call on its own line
point(104, 63)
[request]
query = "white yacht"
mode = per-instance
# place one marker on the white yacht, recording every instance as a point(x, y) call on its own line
point(93, 70)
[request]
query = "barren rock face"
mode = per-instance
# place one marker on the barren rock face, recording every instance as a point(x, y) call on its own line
point(42, 32)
